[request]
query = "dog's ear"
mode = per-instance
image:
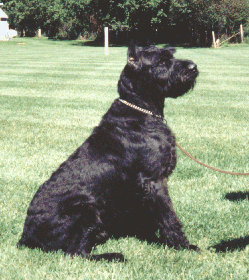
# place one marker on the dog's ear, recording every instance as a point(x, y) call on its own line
point(133, 57)
point(132, 48)
point(168, 51)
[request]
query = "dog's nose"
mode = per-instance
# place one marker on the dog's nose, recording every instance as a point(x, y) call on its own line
point(192, 66)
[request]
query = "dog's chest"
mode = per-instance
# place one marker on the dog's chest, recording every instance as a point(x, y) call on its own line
point(158, 155)
point(158, 137)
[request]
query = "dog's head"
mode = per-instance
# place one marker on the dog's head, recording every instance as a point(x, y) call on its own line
point(152, 70)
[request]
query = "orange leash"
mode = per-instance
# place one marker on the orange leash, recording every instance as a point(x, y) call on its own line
point(210, 167)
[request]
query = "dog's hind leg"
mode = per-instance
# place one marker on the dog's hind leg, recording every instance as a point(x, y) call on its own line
point(82, 244)
point(86, 231)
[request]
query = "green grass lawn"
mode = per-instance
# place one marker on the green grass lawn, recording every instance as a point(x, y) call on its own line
point(53, 93)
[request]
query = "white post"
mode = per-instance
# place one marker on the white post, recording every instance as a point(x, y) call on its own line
point(214, 42)
point(241, 33)
point(39, 33)
point(106, 40)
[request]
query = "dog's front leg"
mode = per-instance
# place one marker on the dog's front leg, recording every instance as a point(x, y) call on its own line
point(165, 220)
point(170, 227)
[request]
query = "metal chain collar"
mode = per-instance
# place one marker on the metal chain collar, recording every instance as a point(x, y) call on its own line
point(140, 109)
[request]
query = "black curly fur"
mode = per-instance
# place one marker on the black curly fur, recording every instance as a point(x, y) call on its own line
point(114, 184)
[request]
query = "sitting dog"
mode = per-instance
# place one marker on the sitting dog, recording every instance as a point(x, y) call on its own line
point(114, 184)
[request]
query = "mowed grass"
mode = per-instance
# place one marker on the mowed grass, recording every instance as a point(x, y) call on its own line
point(52, 94)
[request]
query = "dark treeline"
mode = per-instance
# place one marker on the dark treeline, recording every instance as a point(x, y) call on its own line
point(162, 21)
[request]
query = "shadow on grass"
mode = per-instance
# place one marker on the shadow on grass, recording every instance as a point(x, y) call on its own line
point(100, 43)
point(238, 243)
point(235, 196)
point(231, 245)
point(96, 44)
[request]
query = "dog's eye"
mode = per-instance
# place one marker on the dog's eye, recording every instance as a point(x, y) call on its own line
point(163, 63)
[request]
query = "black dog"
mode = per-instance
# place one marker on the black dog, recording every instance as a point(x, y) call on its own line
point(114, 184)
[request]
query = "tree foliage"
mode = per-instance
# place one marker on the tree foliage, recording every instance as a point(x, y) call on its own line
point(140, 15)
point(63, 19)
point(181, 20)
point(220, 16)
point(23, 15)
